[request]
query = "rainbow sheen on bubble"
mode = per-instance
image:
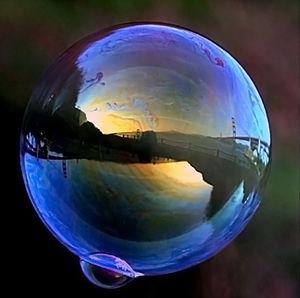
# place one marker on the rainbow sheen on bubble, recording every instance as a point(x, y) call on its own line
point(144, 150)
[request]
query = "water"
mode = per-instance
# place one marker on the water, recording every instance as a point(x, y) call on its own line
point(144, 150)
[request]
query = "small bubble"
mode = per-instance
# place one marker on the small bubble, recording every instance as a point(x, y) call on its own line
point(103, 278)
point(112, 263)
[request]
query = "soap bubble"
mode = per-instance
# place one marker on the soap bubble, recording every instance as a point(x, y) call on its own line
point(144, 150)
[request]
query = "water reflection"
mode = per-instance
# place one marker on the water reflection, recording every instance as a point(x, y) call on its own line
point(161, 184)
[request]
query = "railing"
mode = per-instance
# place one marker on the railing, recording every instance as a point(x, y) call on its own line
point(217, 152)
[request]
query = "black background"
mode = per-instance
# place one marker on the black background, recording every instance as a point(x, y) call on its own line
point(264, 36)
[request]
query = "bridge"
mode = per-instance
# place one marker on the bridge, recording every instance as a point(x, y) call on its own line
point(221, 161)
point(147, 147)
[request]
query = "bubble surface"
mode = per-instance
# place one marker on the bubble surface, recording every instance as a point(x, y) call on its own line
point(144, 150)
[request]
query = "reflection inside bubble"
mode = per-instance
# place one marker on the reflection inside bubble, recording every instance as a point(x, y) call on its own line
point(148, 143)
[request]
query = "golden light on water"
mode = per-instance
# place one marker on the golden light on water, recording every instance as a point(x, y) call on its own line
point(176, 180)
point(182, 173)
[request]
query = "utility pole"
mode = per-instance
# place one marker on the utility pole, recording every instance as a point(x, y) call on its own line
point(64, 167)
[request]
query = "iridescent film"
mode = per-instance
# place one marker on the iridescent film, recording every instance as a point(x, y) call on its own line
point(144, 150)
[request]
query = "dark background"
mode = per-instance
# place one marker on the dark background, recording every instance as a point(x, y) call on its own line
point(264, 37)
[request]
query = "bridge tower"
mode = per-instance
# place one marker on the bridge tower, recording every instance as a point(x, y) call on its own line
point(233, 127)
